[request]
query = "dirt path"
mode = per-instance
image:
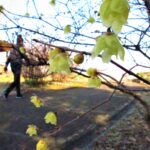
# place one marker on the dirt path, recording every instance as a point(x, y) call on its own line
point(69, 104)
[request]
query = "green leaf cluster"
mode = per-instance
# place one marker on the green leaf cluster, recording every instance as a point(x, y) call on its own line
point(108, 45)
point(94, 80)
point(114, 13)
point(59, 61)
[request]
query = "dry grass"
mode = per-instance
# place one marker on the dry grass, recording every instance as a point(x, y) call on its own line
point(129, 133)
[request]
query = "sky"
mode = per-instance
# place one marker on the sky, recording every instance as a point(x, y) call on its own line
point(43, 7)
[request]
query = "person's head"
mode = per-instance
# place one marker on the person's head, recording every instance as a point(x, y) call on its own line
point(19, 39)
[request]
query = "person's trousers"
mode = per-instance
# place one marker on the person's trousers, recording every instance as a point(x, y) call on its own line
point(16, 69)
point(15, 83)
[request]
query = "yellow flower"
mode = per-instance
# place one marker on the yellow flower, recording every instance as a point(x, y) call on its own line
point(32, 130)
point(36, 101)
point(51, 117)
point(41, 145)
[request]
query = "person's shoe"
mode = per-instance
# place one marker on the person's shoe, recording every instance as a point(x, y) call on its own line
point(19, 96)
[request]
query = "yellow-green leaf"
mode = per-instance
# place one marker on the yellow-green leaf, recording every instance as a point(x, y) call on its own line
point(92, 72)
point(1, 9)
point(108, 45)
point(32, 130)
point(60, 64)
point(67, 29)
point(94, 82)
point(36, 101)
point(51, 118)
point(22, 50)
point(53, 53)
point(100, 45)
point(42, 145)
point(114, 13)
point(91, 20)
point(52, 2)
point(27, 14)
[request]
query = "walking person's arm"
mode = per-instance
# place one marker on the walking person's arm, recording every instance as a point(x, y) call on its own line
point(6, 64)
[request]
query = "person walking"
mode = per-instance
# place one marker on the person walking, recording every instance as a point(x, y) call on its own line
point(15, 59)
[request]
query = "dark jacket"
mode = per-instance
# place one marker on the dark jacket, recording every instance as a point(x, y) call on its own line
point(15, 59)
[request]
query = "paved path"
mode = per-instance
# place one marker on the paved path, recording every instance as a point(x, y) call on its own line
point(69, 104)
